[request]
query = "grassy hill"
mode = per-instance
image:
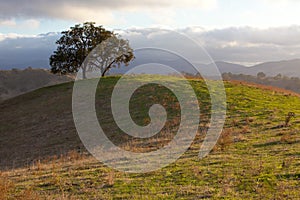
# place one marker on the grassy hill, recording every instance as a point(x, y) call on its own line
point(15, 82)
point(255, 158)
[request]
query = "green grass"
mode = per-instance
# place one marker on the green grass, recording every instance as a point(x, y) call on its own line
point(259, 161)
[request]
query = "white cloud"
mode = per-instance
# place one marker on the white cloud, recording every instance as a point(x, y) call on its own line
point(14, 36)
point(26, 24)
point(9, 22)
point(235, 44)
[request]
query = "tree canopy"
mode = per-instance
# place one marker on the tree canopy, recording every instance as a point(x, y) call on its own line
point(109, 50)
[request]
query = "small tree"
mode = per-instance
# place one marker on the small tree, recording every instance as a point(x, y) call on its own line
point(278, 77)
point(261, 75)
point(76, 43)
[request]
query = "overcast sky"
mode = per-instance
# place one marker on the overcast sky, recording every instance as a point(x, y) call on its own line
point(247, 31)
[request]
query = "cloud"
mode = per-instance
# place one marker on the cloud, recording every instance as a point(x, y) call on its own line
point(253, 36)
point(7, 22)
point(21, 51)
point(248, 44)
point(25, 24)
point(11, 36)
point(234, 44)
point(97, 10)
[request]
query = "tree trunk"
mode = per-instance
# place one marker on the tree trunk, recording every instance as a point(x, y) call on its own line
point(84, 72)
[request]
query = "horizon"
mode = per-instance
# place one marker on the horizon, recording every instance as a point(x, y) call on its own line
point(246, 46)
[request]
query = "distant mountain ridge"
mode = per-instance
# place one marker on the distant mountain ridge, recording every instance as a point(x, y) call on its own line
point(289, 68)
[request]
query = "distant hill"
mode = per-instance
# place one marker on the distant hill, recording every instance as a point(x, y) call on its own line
point(286, 67)
point(286, 83)
point(15, 82)
point(289, 68)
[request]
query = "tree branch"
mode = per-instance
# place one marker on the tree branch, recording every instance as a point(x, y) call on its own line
point(110, 65)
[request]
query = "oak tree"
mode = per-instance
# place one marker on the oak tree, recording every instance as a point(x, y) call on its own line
point(109, 50)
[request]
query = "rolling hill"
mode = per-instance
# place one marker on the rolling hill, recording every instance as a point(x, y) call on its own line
point(15, 82)
point(290, 68)
point(255, 158)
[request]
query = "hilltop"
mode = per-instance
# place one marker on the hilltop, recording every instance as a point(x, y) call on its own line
point(256, 156)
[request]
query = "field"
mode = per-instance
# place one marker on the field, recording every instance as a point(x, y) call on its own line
point(256, 157)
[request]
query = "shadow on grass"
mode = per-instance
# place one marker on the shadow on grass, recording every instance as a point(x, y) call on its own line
point(274, 143)
point(293, 154)
point(289, 176)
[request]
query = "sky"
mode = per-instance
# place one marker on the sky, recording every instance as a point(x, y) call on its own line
point(230, 30)
point(41, 16)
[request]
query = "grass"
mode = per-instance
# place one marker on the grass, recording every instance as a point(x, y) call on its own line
point(255, 158)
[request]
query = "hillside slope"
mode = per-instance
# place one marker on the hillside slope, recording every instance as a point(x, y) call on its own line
point(255, 158)
point(16, 82)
